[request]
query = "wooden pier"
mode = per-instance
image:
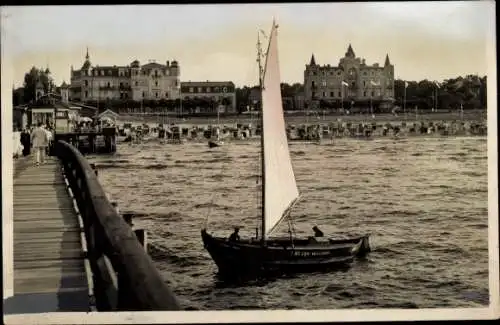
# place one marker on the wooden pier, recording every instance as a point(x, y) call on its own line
point(49, 251)
point(72, 251)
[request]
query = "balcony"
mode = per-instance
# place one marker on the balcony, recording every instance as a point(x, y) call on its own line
point(125, 87)
point(107, 88)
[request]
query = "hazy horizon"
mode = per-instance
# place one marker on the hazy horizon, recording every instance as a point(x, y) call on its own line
point(424, 40)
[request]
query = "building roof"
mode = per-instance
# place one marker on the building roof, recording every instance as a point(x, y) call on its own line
point(207, 83)
point(109, 112)
point(52, 100)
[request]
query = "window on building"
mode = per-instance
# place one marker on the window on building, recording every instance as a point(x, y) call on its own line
point(166, 94)
point(143, 94)
point(208, 89)
point(353, 84)
point(121, 84)
point(340, 94)
point(373, 93)
point(324, 83)
point(191, 89)
point(313, 94)
point(86, 83)
point(364, 83)
point(109, 85)
point(156, 83)
point(364, 93)
point(324, 94)
point(224, 90)
point(86, 94)
point(102, 72)
point(156, 75)
point(313, 84)
point(137, 83)
point(216, 89)
point(200, 89)
point(156, 95)
point(331, 94)
point(109, 73)
point(167, 72)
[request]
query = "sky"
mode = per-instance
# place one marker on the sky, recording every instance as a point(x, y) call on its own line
point(424, 40)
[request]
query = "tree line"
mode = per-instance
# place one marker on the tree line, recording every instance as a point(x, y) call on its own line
point(468, 92)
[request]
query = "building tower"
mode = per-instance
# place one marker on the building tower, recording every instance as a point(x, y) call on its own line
point(176, 71)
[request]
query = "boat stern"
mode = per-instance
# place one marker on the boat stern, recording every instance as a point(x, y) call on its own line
point(364, 246)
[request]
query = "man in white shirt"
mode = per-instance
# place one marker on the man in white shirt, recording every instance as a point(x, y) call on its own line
point(40, 142)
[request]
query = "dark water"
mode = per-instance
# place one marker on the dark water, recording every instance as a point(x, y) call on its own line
point(424, 200)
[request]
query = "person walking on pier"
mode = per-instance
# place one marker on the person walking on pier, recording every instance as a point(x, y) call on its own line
point(26, 142)
point(40, 142)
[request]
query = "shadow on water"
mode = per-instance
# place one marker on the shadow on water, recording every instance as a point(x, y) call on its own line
point(260, 280)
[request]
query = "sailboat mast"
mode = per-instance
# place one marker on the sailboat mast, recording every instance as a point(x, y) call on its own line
point(262, 162)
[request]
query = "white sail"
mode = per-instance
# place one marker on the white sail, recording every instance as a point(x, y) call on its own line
point(280, 188)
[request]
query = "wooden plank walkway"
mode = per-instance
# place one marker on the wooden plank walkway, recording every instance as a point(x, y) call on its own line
point(49, 267)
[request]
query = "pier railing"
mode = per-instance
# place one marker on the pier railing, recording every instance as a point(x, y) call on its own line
point(124, 277)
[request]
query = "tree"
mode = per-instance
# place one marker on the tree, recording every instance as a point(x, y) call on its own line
point(33, 78)
point(18, 97)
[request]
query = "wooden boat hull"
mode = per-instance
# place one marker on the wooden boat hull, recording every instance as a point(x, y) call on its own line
point(214, 144)
point(280, 256)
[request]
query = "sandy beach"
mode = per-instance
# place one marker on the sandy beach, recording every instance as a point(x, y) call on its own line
point(153, 119)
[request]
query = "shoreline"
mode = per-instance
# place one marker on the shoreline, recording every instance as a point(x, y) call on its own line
point(468, 116)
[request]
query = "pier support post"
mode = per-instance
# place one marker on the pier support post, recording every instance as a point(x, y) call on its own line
point(95, 169)
point(140, 233)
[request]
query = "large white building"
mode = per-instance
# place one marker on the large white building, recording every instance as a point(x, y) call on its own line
point(151, 81)
point(351, 80)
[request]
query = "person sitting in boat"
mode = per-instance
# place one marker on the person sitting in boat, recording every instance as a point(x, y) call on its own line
point(235, 235)
point(317, 232)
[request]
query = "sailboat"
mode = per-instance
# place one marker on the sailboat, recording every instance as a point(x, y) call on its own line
point(217, 142)
point(264, 254)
